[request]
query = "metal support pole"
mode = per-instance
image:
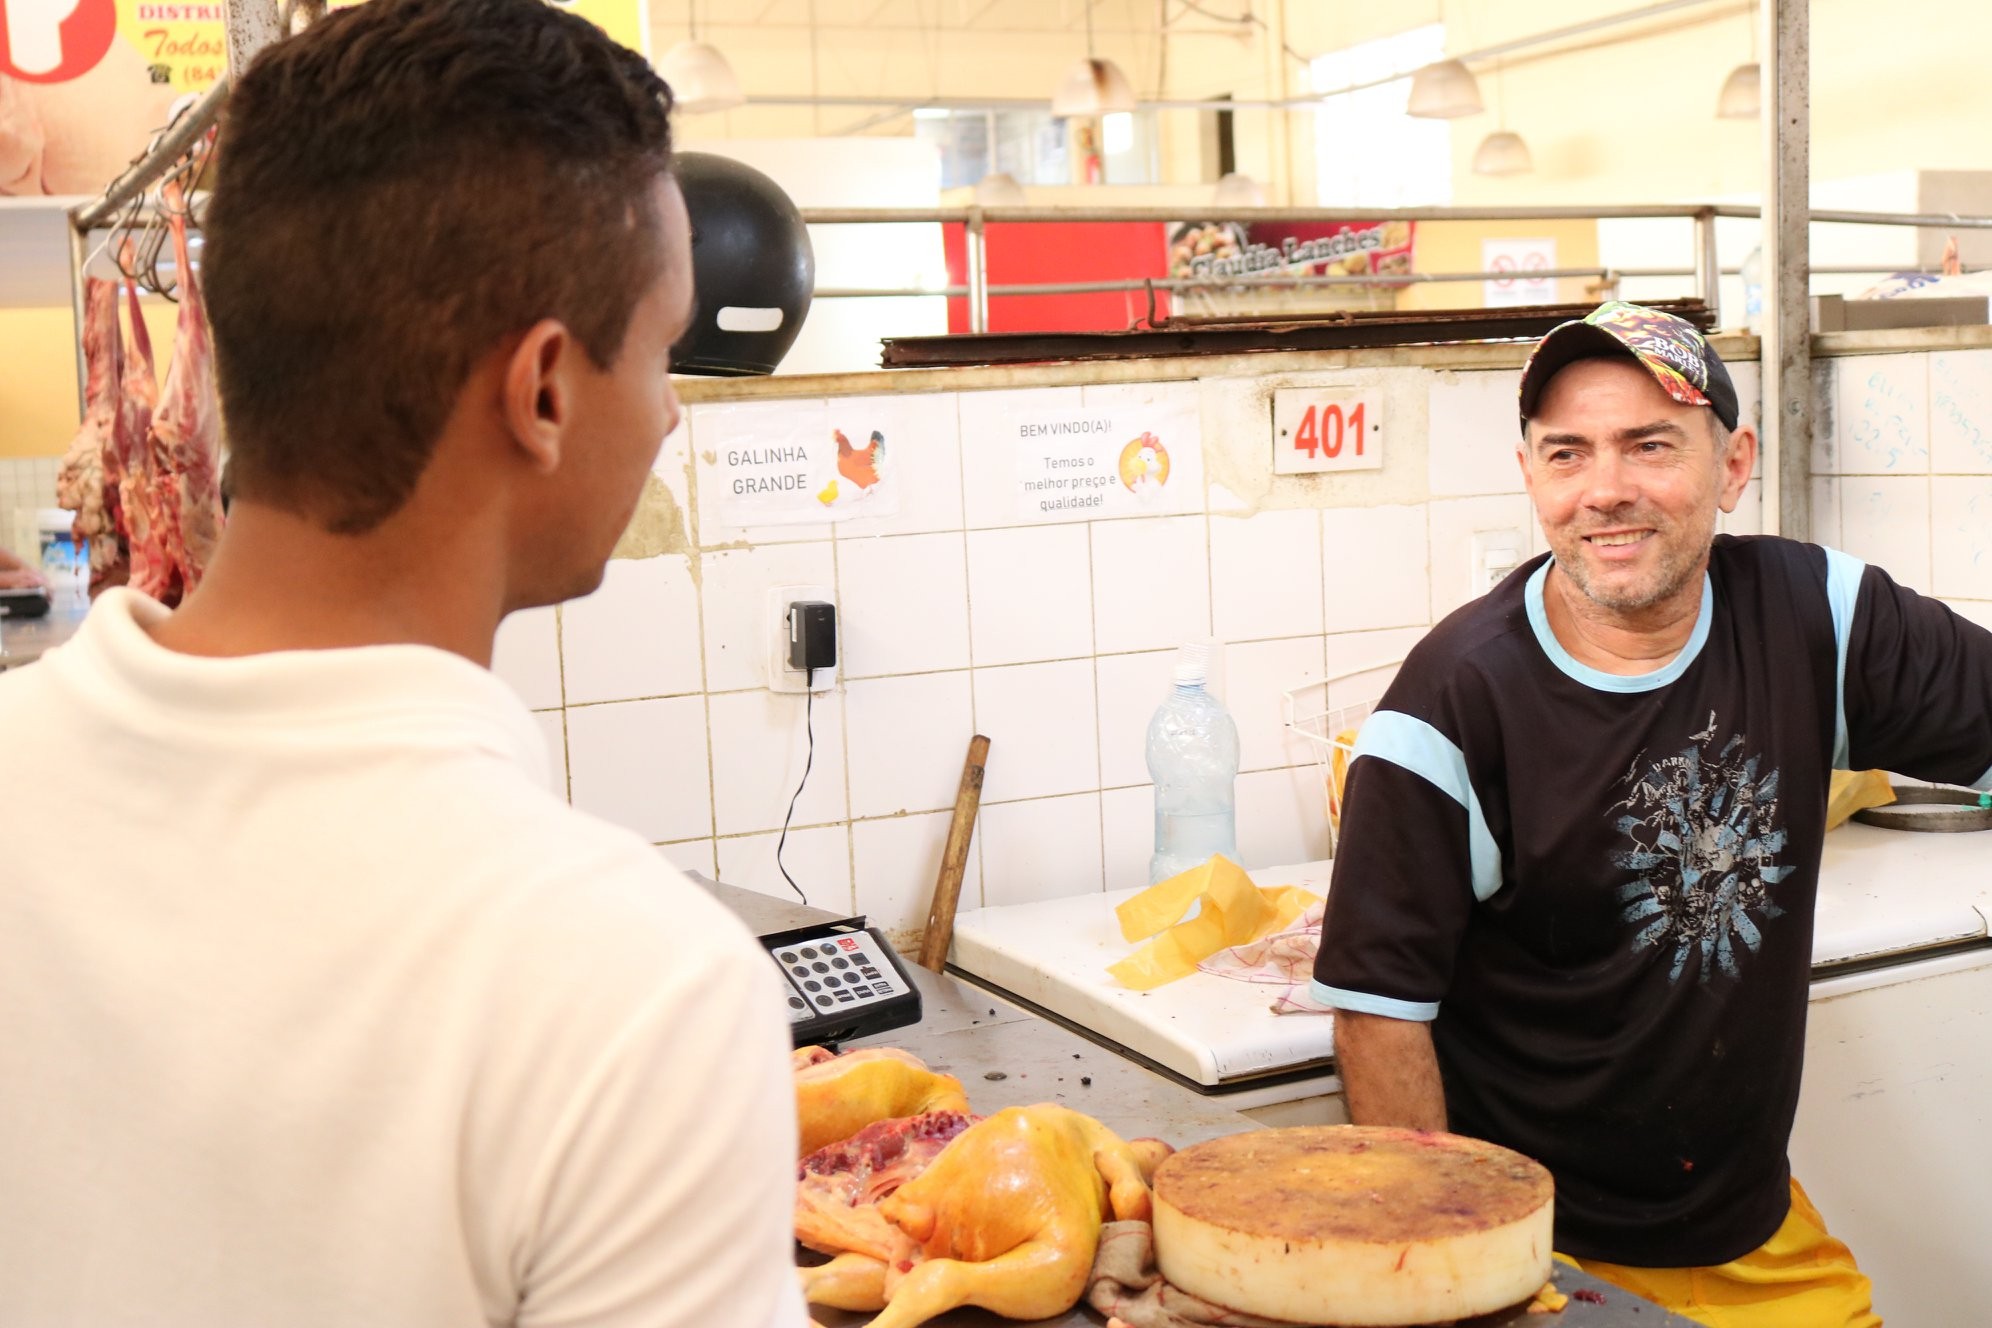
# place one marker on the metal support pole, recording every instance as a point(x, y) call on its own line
point(978, 273)
point(1708, 273)
point(79, 254)
point(252, 25)
point(1787, 339)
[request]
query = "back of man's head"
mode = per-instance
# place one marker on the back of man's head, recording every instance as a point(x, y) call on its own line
point(400, 188)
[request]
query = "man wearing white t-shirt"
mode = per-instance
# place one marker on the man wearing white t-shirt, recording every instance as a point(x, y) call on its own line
point(316, 1008)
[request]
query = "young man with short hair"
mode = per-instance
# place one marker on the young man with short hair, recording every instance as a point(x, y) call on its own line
point(320, 1008)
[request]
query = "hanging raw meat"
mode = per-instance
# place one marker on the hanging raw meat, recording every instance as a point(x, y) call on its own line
point(80, 485)
point(186, 431)
point(153, 569)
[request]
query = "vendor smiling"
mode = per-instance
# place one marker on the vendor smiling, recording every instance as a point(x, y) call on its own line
point(1572, 911)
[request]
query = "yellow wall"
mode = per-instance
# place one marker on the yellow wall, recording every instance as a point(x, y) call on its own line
point(38, 414)
point(1454, 246)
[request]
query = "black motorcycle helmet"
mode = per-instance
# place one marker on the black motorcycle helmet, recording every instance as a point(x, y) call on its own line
point(752, 266)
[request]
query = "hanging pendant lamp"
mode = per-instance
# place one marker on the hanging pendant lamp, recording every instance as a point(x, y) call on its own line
point(1092, 86)
point(701, 79)
point(1742, 95)
point(1443, 91)
point(999, 190)
point(1502, 153)
point(1238, 190)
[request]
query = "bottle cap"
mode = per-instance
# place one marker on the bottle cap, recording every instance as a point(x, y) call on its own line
point(1192, 665)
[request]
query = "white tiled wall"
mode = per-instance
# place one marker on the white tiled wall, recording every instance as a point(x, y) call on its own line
point(1903, 469)
point(26, 484)
point(1054, 636)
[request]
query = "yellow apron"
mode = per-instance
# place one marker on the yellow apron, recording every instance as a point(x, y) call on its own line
point(1800, 1278)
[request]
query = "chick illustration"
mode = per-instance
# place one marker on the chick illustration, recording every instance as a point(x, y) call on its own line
point(827, 494)
point(1144, 464)
point(859, 465)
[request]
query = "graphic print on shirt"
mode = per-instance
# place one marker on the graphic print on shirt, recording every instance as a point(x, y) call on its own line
point(1704, 833)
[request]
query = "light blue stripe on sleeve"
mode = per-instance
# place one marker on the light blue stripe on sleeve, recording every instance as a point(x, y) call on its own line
point(1363, 1003)
point(1843, 588)
point(1391, 735)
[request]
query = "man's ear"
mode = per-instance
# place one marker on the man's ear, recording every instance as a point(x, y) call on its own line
point(1737, 466)
point(538, 393)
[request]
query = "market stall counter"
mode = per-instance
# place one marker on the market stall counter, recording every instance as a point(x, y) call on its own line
point(1006, 1056)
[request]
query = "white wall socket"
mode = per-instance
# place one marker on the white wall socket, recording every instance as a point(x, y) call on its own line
point(782, 678)
point(1495, 554)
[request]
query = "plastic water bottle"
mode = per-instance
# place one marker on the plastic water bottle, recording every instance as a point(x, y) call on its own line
point(1753, 290)
point(1193, 759)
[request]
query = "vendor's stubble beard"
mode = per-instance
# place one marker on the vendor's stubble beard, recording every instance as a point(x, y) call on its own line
point(1682, 560)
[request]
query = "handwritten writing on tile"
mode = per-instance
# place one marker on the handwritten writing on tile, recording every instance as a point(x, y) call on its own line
point(1884, 415)
point(1961, 536)
point(1961, 412)
point(1886, 521)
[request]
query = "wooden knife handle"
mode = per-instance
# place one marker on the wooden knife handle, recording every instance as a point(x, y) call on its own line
point(954, 859)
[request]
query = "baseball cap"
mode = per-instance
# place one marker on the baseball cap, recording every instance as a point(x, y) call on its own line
point(1671, 349)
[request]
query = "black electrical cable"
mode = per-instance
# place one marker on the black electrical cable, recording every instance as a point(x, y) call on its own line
point(809, 724)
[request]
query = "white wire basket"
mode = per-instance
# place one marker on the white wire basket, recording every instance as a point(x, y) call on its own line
point(1328, 715)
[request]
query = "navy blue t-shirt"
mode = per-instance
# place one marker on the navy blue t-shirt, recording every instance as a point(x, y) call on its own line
point(1599, 888)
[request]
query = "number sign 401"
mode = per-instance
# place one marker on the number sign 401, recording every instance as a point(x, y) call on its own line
point(1326, 428)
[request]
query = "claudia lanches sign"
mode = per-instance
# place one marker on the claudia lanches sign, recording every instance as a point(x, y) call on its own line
point(84, 84)
point(1233, 261)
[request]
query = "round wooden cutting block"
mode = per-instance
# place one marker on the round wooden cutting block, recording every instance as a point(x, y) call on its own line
point(1354, 1225)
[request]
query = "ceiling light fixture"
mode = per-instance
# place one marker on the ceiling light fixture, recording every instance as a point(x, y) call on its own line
point(1092, 86)
point(1237, 190)
point(701, 79)
point(1502, 152)
point(1443, 91)
point(1742, 96)
point(999, 189)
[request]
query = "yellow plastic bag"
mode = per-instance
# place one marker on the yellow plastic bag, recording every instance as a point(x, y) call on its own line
point(1853, 790)
point(1234, 912)
point(1338, 778)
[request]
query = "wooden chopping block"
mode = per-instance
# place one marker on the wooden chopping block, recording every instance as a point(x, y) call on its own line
point(1354, 1224)
point(954, 859)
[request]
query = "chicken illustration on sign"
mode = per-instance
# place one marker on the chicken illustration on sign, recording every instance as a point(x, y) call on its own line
point(858, 472)
point(1144, 464)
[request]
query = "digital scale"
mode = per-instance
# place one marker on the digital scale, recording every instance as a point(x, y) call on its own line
point(845, 981)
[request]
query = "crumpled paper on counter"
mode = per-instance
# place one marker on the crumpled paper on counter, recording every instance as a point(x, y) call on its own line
point(1231, 912)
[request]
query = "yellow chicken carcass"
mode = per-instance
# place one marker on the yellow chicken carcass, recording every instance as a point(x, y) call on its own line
point(836, 1096)
point(1007, 1217)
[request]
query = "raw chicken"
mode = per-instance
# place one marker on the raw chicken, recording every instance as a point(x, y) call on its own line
point(186, 431)
point(838, 1187)
point(838, 1096)
point(79, 485)
point(1007, 1217)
